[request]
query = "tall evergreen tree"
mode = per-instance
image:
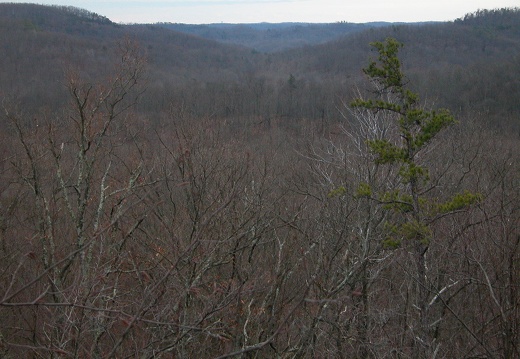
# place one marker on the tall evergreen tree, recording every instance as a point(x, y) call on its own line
point(414, 212)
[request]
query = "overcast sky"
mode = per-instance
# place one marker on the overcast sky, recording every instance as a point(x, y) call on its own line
point(249, 11)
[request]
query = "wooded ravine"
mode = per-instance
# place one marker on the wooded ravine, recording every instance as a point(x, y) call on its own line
point(301, 191)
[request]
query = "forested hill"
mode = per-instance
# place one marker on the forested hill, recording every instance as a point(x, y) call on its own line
point(476, 37)
point(41, 43)
point(470, 64)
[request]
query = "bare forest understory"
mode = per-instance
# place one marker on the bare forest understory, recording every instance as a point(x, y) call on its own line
point(391, 231)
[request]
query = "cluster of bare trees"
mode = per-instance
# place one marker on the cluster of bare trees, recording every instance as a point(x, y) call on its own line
point(186, 237)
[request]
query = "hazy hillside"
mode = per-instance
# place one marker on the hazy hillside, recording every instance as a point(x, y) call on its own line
point(266, 37)
point(41, 43)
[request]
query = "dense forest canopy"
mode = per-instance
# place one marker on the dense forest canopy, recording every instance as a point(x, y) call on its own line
point(269, 191)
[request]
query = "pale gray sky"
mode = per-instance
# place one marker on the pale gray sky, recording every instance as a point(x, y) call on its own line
point(249, 11)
